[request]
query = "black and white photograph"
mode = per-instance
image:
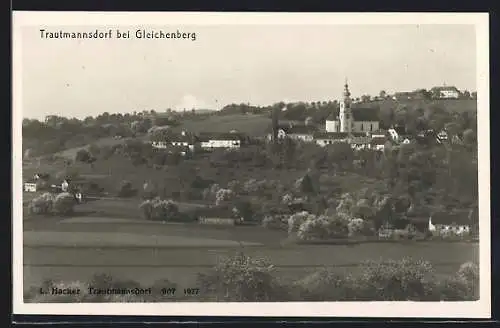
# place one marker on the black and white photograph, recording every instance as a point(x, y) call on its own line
point(251, 164)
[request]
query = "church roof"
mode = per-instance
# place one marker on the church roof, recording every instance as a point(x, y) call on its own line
point(358, 114)
point(365, 114)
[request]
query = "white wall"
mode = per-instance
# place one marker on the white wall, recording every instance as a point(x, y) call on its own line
point(326, 142)
point(220, 144)
point(303, 137)
point(332, 126)
point(30, 187)
point(449, 94)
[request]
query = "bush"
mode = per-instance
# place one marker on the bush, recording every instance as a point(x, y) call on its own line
point(159, 210)
point(323, 228)
point(296, 220)
point(403, 280)
point(223, 195)
point(42, 204)
point(64, 203)
point(325, 285)
point(241, 278)
point(126, 190)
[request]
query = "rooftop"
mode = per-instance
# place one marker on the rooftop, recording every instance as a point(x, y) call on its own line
point(206, 136)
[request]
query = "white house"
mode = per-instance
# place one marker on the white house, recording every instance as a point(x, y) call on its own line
point(446, 92)
point(296, 132)
point(30, 186)
point(220, 140)
point(446, 223)
point(182, 140)
point(65, 186)
point(378, 143)
point(442, 135)
point(328, 138)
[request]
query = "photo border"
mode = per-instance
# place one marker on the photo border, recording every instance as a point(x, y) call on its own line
point(477, 309)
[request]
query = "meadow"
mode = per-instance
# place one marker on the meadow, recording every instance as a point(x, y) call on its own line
point(181, 265)
point(252, 125)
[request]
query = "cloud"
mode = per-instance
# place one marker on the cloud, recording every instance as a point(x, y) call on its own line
point(189, 102)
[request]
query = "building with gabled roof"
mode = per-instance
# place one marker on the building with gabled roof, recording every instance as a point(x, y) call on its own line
point(445, 92)
point(228, 140)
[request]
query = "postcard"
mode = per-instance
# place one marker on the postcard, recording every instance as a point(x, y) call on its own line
point(251, 164)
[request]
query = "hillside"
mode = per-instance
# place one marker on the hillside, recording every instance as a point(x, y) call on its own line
point(451, 105)
point(253, 125)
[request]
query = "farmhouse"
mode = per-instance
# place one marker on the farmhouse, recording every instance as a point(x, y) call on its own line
point(329, 138)
point(30, 186)
point(352, 119)
point(296, 132)
point(210, 140)
point(379, 143)
point(183, 141)
point(450, 223)
point(445, 92)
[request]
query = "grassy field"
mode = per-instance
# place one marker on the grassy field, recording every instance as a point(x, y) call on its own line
point(253, 125)
point(451, 105)
point(182, 265)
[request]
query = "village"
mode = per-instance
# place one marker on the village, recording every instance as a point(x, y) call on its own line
point(353, 125)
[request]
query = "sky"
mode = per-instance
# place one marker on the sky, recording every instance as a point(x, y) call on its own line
point(253, 64)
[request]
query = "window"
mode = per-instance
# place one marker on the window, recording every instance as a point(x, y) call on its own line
point(361, 126)
point(371, 127)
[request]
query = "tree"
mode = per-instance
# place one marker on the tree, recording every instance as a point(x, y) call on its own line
point(306, 185)
point(126, 190)
point(84, 156)
point(42, 204)
point(469, 138)
point(64, 203)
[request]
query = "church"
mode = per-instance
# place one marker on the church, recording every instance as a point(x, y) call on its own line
point(349, 120)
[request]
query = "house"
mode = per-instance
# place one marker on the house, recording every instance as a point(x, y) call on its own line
point(359, 141)
point(301, 132)
point(397, 133)
point(329, 138)
point(210, 140)
point(182, 140)
point(445, 92)
point(443, 135)
point(352, 119)
point(378, 143)
point(457, 223)
point(30, 186)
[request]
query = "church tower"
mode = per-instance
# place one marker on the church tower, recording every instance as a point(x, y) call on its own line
point(345, 116)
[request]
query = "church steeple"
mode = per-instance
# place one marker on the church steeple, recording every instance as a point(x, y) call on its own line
point(345, 110)
point(347, 94)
